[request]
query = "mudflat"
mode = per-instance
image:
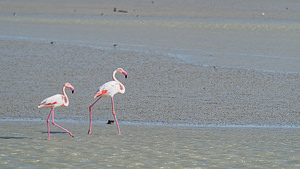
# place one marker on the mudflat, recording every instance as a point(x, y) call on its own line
point(159, 89)
point(210, 83)
point(188, 62)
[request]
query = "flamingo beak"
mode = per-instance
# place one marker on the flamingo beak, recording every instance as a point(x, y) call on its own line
point(125, 74)
point(97, 94)
point(72, 89)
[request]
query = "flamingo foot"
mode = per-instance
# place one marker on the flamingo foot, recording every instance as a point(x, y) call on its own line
point(89, 132)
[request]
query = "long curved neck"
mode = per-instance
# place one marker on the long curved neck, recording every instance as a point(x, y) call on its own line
point(121, 85)
point(66, 97)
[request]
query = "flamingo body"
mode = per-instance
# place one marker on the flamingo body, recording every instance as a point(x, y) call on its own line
point(109, 89)
point(54, 101)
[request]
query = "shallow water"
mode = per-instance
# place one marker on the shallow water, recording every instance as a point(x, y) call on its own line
point(25, 145)
point(250, 80)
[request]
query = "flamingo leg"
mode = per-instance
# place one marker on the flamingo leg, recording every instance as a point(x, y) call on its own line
point(90, 108)
point(59, 125)
point(113, 111)
point(52, 109)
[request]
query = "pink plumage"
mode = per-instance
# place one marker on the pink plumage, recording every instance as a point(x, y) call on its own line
point(109, 89)
point(54, 101)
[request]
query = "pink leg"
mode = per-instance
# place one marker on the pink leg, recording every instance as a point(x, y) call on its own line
point(89, 132)
point(59, 125)
point(113, 111)
point(52, 109)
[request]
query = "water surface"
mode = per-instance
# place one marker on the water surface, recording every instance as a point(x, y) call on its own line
point(25, 145)
point(193, 67)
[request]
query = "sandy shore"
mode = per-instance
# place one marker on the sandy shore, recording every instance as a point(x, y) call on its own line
point(159, 88)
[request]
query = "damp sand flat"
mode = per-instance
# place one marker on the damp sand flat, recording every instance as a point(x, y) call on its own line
point(25, 145)
point(255, 83)
point(159, 88)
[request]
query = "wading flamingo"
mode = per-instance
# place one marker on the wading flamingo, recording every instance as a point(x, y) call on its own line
point(109, 89)
point(57, 100)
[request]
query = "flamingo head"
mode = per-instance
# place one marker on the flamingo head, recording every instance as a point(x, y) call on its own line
point(68, 85)
point(120, 70)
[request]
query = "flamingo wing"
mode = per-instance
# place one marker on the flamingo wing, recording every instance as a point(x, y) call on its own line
point(108, 89)
point(53, 101)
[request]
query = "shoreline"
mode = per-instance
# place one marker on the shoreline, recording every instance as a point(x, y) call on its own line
point(26, 144)
point(155, 124)
point(189, 59)
point(209, 95)
point(219, 43)
point(197, 93)
point(180, 70)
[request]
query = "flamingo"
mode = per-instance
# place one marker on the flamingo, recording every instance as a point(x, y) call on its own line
point(109, 89)
point(57, 100)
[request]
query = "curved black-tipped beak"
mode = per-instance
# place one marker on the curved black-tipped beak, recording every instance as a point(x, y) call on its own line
point(72, 91)
point(126, 76)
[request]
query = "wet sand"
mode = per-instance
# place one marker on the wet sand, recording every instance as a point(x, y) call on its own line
point(210, 83)
point(159, 89)
point(180, 70)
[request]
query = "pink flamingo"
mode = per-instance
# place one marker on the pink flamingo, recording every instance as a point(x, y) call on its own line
point(109, 89)
point(57, 100)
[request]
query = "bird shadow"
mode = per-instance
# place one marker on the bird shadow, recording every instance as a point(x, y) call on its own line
point(5, 138)
point(54, 132)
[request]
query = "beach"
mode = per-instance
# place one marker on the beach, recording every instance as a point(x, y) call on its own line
point(195, 68)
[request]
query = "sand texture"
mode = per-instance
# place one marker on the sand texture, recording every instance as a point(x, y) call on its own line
point(158, 88)
point(188, 62)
